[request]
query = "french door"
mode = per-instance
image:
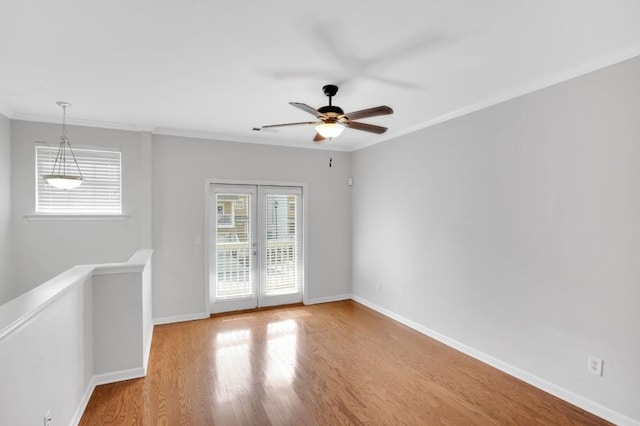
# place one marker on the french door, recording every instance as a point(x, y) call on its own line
point(255, 250)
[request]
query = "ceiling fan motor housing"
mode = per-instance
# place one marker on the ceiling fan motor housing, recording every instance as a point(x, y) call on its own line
point(332, 116)
point(331, 110)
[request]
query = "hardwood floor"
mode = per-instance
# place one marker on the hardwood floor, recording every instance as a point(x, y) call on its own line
point(335, 363)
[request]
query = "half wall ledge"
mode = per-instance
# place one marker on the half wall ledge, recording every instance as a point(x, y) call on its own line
point(91, 324)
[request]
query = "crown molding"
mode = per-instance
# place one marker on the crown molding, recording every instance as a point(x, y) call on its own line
point(598, 64)
point(587, 68)
point(165, 131)
point(83, 122)
point(4, 111)
point(227, 138)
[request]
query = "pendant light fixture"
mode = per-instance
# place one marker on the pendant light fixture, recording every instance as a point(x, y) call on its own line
point(61, 174)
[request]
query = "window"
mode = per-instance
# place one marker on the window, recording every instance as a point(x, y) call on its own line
point(226, 214)
point(99, 194)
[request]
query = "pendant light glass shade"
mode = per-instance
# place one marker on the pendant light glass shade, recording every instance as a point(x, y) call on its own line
point(61, 176)
point(63, 181)
point(330, 130)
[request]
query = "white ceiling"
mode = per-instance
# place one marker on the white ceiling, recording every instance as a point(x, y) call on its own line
point(217, 69)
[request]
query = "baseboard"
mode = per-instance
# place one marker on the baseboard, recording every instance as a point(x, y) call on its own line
point(147, 351)
point(564, 394)
point(83, 402)
point(204, 315)
point(118, 376)
point(102, 379)
point(327, 299)
point(181, 318)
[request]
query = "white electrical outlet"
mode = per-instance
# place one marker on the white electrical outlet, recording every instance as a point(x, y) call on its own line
point(378, 287)
point(595, 365)
point(47, 418)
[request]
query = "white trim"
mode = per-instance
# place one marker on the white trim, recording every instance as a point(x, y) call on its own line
point(564, 394)
point(484, 103)
point(118, 376)
point(165, 131)
point(147, 350)
point(327, 299)
point(79, 147)
point(118, 268)
point(305, 241)
point(509, 95)
point(5, 112)
point(183, 133)
point(102, 379)
point(181, 318)
point(44, 216)
point(17, 312)
point(205, 246)
point(83, 122)
point(252, 182)
point(86, 396)
point(555, 390)
point(257, 182)
point(297, 297)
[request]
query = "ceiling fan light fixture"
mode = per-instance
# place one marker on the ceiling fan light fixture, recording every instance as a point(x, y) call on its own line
point(331, 119)
point(330, 130)
point(59, 177)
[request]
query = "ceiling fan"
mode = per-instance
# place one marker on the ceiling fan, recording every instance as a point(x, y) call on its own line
point(332, 120)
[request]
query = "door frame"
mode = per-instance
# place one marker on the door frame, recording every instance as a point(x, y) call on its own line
point(207, 243)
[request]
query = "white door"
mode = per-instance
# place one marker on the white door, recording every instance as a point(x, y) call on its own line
point(255, 250)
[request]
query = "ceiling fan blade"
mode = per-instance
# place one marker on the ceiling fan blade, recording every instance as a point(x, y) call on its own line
point(366, 127)
point(268, 126)
point(369, 112)
point(308, 109)
point(318, 138)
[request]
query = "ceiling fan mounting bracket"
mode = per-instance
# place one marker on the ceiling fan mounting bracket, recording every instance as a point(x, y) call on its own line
point(330, 90)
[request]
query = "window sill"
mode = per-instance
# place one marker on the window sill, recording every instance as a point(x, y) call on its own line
point(45, 216)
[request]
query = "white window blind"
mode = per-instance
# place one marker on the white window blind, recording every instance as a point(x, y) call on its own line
point(100, 192)
point(233, 248)
point(282, 224)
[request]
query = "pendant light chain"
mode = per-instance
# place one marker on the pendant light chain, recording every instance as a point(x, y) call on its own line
point(63, 140)
point(59, 177)
point(66, 140)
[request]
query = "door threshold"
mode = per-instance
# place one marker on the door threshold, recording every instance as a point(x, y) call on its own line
point(252, 310)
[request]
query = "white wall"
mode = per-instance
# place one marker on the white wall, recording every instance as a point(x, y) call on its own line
point(82, 328)
point(47, 362)
point(180, 167)
point(515, 231)
point(58, 245)
point(6, 240)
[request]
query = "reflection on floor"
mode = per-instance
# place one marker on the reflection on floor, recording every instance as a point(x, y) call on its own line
point(335, 363)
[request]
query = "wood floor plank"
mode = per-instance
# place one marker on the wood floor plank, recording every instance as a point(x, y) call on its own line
point(335, 363)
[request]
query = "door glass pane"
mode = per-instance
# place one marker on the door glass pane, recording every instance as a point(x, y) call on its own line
point(233, 246)
point(282, 244)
